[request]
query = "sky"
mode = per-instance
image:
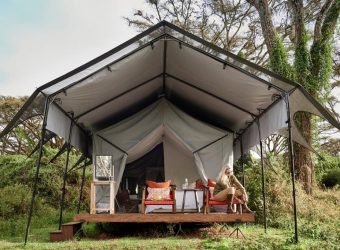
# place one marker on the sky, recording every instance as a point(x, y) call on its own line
point(43, 39)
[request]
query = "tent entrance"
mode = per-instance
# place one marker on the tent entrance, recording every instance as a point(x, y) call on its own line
point(148, 167)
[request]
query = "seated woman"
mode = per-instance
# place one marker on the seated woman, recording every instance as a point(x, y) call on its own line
point(227, 187)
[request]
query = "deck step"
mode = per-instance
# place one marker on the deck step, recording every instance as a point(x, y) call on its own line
point(56, 236)
point(68, 230)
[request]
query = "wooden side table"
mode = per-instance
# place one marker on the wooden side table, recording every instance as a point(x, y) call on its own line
point(111, 208)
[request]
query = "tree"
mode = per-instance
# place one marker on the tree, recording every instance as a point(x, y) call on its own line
point(25, 136)
point(304, 36)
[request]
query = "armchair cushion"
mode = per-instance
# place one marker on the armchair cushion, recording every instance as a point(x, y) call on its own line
point(153, 184)
point(211, 183)
point(158, 194)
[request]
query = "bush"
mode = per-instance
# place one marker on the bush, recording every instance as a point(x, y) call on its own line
point(331, 178)
point(14, 200)
point(325, 165)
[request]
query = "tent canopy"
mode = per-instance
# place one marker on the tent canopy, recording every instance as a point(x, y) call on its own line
point(206, 82)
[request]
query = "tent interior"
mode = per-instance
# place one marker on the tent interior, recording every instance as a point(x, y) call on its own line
point(167, 86)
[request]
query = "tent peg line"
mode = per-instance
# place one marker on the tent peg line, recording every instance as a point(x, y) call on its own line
point(81, 186)
point(38, 163)
point(65, 174)
point(263, 178)
point(292, 165)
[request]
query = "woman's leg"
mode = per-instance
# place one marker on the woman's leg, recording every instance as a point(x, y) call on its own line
point(242, 197)
point(224, 194)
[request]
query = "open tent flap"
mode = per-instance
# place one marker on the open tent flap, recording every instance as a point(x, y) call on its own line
point(210, 147)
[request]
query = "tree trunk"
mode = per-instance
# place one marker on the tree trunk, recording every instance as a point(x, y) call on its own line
point(303, 160)
point(304, 166)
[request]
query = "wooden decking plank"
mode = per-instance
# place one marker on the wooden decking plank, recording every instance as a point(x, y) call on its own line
point(165, 218)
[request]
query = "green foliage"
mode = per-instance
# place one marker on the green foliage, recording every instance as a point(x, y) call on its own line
point(279, 60)
point(302, 63)
point(322, 68)
point(331, 178)
point(17, 173)
point(326, 164)
point(14, 200)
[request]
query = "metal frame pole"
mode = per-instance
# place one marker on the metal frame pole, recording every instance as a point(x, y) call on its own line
point(242, 162)
point(292, 165)
point(38, 163)
point(65, 175)
point(81, 186)
point(263, 179)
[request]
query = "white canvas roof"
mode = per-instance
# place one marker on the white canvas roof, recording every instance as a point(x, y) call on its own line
point(206, 82)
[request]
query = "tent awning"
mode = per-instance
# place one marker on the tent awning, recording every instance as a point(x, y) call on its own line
point(208, 83)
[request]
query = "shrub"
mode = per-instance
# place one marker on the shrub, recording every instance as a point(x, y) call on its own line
point(14, 200)
point(331, 178)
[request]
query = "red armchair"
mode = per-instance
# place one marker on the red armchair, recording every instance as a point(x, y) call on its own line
point(171, 201)
point(208, 201)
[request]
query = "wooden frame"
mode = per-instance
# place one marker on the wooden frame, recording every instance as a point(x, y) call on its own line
point(172, 190)
point(93, 208)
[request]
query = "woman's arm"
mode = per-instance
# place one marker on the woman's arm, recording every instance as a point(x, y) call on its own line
point(237, 184)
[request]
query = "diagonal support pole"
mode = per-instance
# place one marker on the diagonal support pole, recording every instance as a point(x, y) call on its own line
point(292, 166)
point(38, 163)
point(263, 178)
point(81, 186)
point(65, 175)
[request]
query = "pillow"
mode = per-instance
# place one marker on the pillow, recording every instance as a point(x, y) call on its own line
point(154, 184)
point(158, 194)
point(199, 184)
point(211, 183)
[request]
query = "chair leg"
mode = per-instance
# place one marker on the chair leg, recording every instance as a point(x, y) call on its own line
point(174, 208)
point(144, 208)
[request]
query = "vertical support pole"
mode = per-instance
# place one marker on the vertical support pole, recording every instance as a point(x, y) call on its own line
point(242, 162)
point(65, 174)
point(81, 186)
point(292, 166)
point(38, 163)
point(263, 179)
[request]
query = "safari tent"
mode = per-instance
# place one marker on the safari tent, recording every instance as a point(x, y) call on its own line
point(205, 105)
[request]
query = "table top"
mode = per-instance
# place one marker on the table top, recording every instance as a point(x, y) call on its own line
point(190, 189)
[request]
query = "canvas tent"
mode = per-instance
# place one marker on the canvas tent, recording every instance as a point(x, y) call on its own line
point(207, 92)
point(164, 122)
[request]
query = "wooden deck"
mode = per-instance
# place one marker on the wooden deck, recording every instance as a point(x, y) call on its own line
point(165, 218)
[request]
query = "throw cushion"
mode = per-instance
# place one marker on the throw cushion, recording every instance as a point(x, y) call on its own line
point(199, 184)
point(211, 183)
point(158, 193)
point(154, 184)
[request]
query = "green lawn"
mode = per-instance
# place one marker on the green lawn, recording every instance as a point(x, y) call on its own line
point(213, 237)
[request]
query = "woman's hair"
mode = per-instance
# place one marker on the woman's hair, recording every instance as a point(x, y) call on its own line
point(222, 177)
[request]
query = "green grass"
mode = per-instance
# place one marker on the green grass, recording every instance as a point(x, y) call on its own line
point(213, 237)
